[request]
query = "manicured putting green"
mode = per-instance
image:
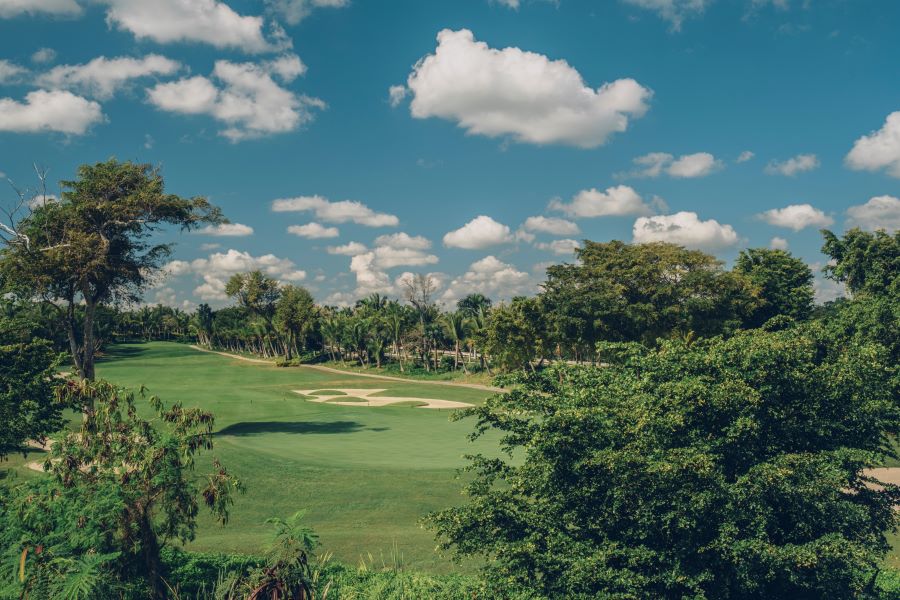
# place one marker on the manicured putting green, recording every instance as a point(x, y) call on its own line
point(365, 475)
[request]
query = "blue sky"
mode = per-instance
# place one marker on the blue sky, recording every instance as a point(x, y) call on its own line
point(475, 140)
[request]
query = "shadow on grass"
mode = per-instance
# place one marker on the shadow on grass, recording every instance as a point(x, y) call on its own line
point(315, 427)
point(120, 352)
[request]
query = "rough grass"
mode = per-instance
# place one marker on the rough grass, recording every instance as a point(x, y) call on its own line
point(366, 476)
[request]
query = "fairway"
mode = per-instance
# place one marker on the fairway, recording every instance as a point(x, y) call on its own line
point(365, 474)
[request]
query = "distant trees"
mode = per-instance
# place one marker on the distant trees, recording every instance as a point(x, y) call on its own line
point(294, 314)
point(725, 468)
point(783, 285)
point(92, 245)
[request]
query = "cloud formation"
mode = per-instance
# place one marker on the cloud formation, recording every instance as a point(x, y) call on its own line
point(489, 276)
point(248, 100)
point(790, 167)
point(57, 8)
point(343, 211)
point(796, 217)
point(480, 232)
point(880, 212)
point(314, 231)
point(686, 229)
point(654, 164)
point(227, 230)
point(551, 225)
point(673, 11)
point(561, 247)
point(102, 77)
point(217, 268)
point(523, 95)
point(878, 150)
point(617, 201)
point(294, 11)
point(54, 110)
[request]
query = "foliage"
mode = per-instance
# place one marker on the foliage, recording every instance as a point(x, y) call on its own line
point(784, 284)
point(93, 246)
point(865, 262)
point(122, 487)
point(294, 314)
point(513, 334)
point(719, 469)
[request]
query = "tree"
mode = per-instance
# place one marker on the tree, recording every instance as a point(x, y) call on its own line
point(257, 293)
point(457, 326)
point(205, 320)
point(93, 246)
point(27, 407)
point(783, 282)
point(294, 314)
point(513, 336)
point(419, 291)
point(474, 304)
point(641, 292)
point(728, 468)
point(121, 488)
point(865, 262)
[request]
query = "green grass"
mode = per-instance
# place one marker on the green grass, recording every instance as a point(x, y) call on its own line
point(365, 475)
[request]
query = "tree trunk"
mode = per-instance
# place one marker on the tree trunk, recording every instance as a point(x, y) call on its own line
point(152, 561)
point(73, 342)
point(87, 361)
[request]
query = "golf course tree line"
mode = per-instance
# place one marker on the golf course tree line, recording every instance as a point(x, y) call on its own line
point(672, 429)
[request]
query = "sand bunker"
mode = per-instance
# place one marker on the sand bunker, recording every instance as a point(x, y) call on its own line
point(369, 399)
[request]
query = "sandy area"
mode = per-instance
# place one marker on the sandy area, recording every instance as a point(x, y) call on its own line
point(372, 400)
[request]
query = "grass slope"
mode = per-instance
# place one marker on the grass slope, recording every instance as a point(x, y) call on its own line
point(365, 475)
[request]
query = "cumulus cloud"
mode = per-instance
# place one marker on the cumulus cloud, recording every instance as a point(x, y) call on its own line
point(880, 212)
point(294, 11)
point(551, 225)
point(215, 270)
point(796, 217)
point(102, 77)
point(654, 164)
point(10, 72)
point(673, 11)
point(403, 240)
point(343, 211)
point(745, 156)
point(878, 150)
point(686, 229)
point(480, 232)
point(348, 249)
point(396, 94)
point(489, 276)
point(778, 243)
point(39, 200)
point(43, 55)
point(524, 95)
point(57, 8)
point(53, 110)
point(204, 21)
point(561, 247)
point(249, 101)
point(314, 231)
point(227, 230)
point(616, 201)
point(790, 167)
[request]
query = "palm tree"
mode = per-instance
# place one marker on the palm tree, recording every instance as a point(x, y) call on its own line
point(457, 327)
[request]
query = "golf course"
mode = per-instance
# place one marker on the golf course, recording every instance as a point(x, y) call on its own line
point(364, 474)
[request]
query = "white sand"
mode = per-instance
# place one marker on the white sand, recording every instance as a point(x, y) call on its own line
point(372, 400)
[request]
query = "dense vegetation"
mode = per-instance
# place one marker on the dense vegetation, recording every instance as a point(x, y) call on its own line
point(675, 429)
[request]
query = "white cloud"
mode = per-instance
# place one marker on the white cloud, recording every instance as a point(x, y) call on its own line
point(102, 77)
point(348, 249)
point(825, 290)
point(796, 217)
point(249, 102)
point(794, 165)
point(699, 164)
point(217, 268)
point(53, 110)
point(561, 247)
point(40, 200)
point(59, 8)
point(878, 150)
point(686, 229)
point(552, 225)
point(342, 211)
point(205, 21)
point(511, 92)
point(654, 164)
point(616, 201)
point(880, 212)
point(745, 156)
point(43, 55)
point(778, 243)
point(396, 94)
point(294, 11)
point(314, 231)
point(288, 67)
point(673, 11)
point(403, 240)
point(480, 232)
point(9, 72)
point(491, 277)
point(227, 230)
point(369, 279)
point(212, 246)
point(387, 257)
point(513, 4)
